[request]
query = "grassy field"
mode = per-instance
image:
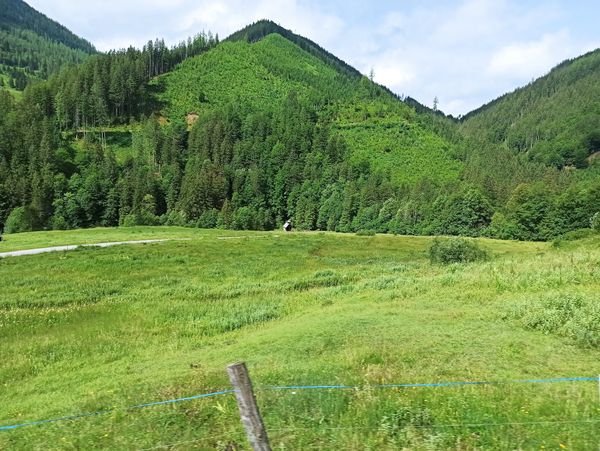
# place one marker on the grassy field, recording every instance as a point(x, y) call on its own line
point(96, 329)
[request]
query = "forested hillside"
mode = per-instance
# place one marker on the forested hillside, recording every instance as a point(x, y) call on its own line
point(264, 127)
point(554, 120)
point(33, 46)
point(534, 150)
point(272, 132)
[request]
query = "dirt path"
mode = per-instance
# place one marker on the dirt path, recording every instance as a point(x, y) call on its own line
point(71, 247)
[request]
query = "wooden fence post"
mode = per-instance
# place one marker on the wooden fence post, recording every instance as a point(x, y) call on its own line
point(255, 429)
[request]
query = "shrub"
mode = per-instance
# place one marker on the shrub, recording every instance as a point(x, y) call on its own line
point(567, 315)
point(176, 218)
point(19, 220)
point(595, 222)
point(140, 218)
point(455, 250)
point(208, 219)
point(364, 232)
point(59, 223)
point(129, 220)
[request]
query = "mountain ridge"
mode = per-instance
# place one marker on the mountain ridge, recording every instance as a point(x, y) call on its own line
point(33, 46)
point(18, 13)
point(554, 120)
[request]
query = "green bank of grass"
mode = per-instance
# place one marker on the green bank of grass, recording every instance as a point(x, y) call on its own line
point(95, 329)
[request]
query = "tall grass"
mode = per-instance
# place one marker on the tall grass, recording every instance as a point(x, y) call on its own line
point(95, 329)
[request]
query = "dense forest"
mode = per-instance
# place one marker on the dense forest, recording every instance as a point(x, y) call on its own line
point(264, 127)
point(554, 120)
point(32, 46)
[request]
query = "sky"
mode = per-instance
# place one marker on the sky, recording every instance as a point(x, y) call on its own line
point(464, 52)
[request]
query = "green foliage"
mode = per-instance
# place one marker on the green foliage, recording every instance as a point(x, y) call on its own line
point(296, 134)
point(567, 315)
point(19, 220)
point(33, 47)
point(366, 232)
point(573, 235)
point(551, 120)
point(259, 76)
point(208, 219)
point(466, 212)
point(397, 145)
point(176, 218)
point(595, 222)
point(455, 250)
point(263, 28)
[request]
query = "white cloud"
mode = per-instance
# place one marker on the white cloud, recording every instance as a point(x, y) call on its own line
point(393, 73)
point(528, 59)
point(205, 14)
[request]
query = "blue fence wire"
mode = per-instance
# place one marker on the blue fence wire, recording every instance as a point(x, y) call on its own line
point(104, 412)
point(298, 388)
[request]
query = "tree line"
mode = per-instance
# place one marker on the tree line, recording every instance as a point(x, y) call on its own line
point(244, 169)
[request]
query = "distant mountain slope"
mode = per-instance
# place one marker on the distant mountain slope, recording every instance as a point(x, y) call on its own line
point(260, 72)
point(34, 46)
point(554, 120)
point(259, 30)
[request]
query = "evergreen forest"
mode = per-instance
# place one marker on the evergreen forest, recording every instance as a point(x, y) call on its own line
point(267, 126)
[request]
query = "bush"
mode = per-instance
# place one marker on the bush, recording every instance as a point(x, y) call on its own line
point(363, 232)
point(59, 223)
point(455, 250)
point(595, 222)
point(129, 220)
point(208, 219)
point(140, 218)
point(19, 220)
point(176, 218)
point(567, 315)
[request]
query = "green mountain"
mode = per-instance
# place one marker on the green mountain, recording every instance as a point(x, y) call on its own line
point(554, 120)
point(267, 126)
point(32, 46)
point(259, 66)
point(534, 151)
point(263, 28)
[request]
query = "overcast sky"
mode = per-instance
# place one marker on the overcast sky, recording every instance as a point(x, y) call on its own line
point(465, 52)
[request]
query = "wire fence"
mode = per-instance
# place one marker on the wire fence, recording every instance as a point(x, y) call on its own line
point(319, 387)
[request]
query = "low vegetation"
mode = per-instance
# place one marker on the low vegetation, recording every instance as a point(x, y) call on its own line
point(455, 250)
point(97, 329)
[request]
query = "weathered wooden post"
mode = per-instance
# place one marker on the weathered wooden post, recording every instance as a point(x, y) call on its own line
point(255, 429)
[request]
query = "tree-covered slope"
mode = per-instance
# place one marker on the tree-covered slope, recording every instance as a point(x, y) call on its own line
point(554, 120)
point(264, 127)
point(260, 73)
point(533, 151)
point(32, 46)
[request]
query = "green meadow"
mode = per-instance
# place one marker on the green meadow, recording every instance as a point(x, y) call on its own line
point(105, 328)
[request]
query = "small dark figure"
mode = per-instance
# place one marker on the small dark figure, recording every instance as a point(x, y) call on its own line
point(287, 227)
